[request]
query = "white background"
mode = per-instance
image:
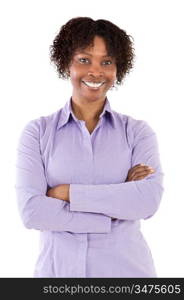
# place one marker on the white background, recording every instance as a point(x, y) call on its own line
point(153, 91)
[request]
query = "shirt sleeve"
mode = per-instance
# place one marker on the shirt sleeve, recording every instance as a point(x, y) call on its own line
point(132, 200)
point(37, 210)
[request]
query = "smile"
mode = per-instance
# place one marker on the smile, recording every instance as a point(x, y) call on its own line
point(93, 84)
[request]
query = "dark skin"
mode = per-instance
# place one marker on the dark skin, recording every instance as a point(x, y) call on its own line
point(137, 172)
point(92, 65)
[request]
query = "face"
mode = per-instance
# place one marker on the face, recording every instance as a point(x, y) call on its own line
point(92, 72)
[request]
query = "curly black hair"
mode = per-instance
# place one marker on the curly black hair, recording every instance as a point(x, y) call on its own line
point(79, 33)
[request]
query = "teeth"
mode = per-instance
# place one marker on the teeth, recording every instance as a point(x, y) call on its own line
point(93, 84)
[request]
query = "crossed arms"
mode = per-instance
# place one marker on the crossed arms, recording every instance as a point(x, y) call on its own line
point(86, 208)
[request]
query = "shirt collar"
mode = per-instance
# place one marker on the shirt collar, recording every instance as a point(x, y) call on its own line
point(67, 113)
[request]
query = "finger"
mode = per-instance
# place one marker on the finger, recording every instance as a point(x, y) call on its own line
point(143, 168)
point(138, 176)
point(139, 168)
point(140, 165)
point(141, 173)
point(136, 166)
point(136, 169)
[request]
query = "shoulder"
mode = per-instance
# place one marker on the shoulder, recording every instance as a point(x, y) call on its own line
point(42, 125)
point(133, 128)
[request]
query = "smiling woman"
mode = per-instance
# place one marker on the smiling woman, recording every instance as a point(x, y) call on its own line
point(93, 70)
point(82, 173)
point(79, 33)
point(95, 55)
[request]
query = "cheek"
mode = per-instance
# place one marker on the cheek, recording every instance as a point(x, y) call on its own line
point(75, 77)
point(112, 74)
point(112, 77)
point(76, 72)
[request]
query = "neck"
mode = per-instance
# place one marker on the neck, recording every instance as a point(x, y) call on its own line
point(88, 112)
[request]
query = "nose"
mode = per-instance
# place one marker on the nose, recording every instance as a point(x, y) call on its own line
point(95, 69)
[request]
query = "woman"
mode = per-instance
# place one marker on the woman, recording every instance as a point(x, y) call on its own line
point(87, 175)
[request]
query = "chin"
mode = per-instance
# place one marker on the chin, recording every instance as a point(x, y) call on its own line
point(93, 98)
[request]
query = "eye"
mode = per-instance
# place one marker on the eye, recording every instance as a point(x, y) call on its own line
point(83, 60)
point(107, 62)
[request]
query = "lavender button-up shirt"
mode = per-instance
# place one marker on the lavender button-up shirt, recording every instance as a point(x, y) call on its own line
point(80, 238)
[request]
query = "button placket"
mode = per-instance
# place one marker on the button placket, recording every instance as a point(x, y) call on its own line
point(86, 137)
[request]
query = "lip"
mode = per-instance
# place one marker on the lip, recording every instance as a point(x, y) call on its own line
point(94, 88)
point(93, 81)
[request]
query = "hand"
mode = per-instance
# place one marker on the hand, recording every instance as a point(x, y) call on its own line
point(60, 191)
point(139, 172)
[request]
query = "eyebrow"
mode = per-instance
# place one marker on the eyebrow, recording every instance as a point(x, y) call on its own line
point(83, 52)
